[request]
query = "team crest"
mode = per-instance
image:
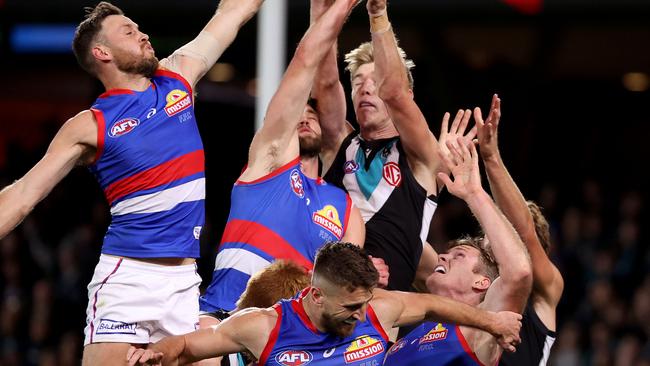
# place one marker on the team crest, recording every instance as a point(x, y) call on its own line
point(328, 218)
point(123, 126)
point(362, 348)
point(296, 183)
point(294, 358)
point(177, 100)
point(397, 346)
point(392, 174)
point(350, 167)
point(438, 333)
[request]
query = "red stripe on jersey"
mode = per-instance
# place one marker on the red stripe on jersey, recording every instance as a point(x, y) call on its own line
point(297, 306)
point(112, 92)
point(170, 171)
point(263, 238)
point(348, 208)
point(272, 174)
point(273, 337)
point(101, 130)
point(376, 323)
point(465, 345)
point(179, 77)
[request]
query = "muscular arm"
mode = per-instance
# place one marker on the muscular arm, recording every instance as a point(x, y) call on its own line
point(74, 143)
point(246, 330)
point(395, 308)
point(276, 143)
point(330, 96)
point(419, 143)
point(194, 59)
point(547, 280)
point(356, 229)
point(428, 261)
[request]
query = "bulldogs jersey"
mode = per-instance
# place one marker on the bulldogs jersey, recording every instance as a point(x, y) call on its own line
point(150, 164)
point(432, 344)
point(282, 215)
point(296, 341)
point(394, 206)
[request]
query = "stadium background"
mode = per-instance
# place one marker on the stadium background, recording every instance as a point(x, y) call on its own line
point(573, 77)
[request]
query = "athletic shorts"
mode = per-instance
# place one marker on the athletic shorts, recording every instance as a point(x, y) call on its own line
point(136, 302)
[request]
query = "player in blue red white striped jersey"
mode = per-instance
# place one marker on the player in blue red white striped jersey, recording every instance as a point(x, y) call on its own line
point(141, 141)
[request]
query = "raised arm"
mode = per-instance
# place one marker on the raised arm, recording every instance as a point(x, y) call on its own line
point(330, 96)
point(195, 58)
point(510, 291)
point(74, 143)
point(547, 280)
point(275, 144)
point(395, 309)
point(419, 143)
point(245, 330)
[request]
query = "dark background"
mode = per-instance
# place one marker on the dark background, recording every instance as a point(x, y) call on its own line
point(574, 137)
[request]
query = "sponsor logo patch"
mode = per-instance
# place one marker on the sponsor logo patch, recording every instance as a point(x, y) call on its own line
point(350, 167)
point(107, 326)
point(328, 218)
point(438, 333)
point(363, 348)
point(296, 183)
point(392, 174)
point(177, 101)
point(397, 346)
point(294, 358)
point(123, 126)
point(197, 232)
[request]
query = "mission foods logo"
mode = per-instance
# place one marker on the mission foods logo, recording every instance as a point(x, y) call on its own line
point(123, 126)
point(362, 348)
point(438, 333)
point(294, 358)
point(177, 101)
point(328, 218)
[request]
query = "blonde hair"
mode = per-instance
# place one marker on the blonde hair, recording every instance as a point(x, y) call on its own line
point(363, 55)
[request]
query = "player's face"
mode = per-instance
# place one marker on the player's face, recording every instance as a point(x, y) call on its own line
point(455, 274)
point(343, 309)
point(309, 132)
point(131, 50)
point(370, 110)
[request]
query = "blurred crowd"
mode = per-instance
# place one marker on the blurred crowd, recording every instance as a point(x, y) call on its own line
point(599, 242)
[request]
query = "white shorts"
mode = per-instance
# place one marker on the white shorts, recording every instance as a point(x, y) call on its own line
point(136, 302)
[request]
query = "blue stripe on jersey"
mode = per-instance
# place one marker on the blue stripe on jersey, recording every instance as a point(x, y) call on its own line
point(223, 297)
point(369, 179)
point(170, 232)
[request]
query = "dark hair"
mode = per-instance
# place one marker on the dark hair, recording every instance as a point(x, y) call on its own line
point(346, 265)
point(541, 225)
point(281, 280)
point(87, 31)
point(487, 266)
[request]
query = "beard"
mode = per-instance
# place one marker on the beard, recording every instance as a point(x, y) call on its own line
point(145, 66)
point(310, 146)
point(337, 327)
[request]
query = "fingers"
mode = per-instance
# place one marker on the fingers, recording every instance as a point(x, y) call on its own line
point(465, 121)
point(472, 133)
point(478, 118)
point(456, 122)
point(444, 177)
point(445, 124)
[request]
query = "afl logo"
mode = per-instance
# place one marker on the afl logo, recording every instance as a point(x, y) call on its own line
point(296, 183)
point(123, 126)
point(293, 358)
point(392, 174)
point(350, 167)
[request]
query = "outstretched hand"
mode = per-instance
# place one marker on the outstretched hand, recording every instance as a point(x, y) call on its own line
point(506, 330)
point(456, 131)
point(463, 164)
point(141, 356)
point(487, 131)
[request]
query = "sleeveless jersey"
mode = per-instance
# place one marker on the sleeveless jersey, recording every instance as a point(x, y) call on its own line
point(282, 215)
point(295, 340)
point(432, 344)
point(150, 164)
point(536, 342)
point(394, 206)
